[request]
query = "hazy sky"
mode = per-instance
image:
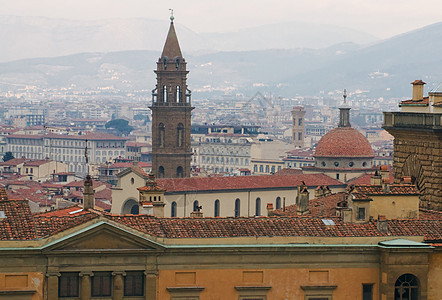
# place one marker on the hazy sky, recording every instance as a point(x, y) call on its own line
point(382, 18)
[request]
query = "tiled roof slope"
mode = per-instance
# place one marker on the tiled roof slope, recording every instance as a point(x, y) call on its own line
point(244, 182)
point(394, 189)
point(343, 142)
point(18, 223)
point(275, 226)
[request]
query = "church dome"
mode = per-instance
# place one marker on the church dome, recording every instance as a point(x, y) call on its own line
point(343, 142)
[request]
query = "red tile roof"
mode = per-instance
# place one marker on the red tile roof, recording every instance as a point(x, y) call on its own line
point(244, 182)
point(36, 163)
point(13, 162)
point(318, 207)
point(395, 189)
point(425, 101)
point(343, 142)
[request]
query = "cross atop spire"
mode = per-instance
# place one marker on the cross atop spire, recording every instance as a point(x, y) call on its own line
point(171, 15)
point(344, 113)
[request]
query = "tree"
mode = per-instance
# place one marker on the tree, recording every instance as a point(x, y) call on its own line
point(121, 125)
point(8, 155)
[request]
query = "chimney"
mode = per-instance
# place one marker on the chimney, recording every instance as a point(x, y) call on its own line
point(269, 209)
point(88, 193)
point(376, 179)
point(386, 185)
point(147, 208)
point(418, 89)
point(406, 180)
point(319, 192)
point(385, 173)
point(196, 214)
point(303, 200)
point(382, 224)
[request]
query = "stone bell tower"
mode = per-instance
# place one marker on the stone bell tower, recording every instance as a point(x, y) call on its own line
point(171, 112)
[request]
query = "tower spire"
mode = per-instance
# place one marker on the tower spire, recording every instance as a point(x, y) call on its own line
point(171, 48)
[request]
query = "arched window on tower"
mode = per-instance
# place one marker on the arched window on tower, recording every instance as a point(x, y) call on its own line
point(161, 172)
point(406, 288)
point(161, 135)
point(164, 93)
point(180, 135)
point(179, 172)
point(178, 94)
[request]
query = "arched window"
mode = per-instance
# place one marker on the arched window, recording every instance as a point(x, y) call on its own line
point(173, 209)
point(237, 208)
point(161, 135)
point(195, 205)
point(178, 93)
point(164, 93)
point(179, 172)
point(406, 288)
point(258, 207)
point(161, 172)
point(180, 135)
point(278, 202)
point(216, 214)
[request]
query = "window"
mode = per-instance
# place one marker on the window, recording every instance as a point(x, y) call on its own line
point(68, 284)
point(367, 292)
point(180, 135)
point(173, 209)
point(134, 283)
point(361, 213)
point(258, 207)
point(216, 214)
point(179, 172)
point(261, 168)
point(178, 93)
point(165, 90)
point(278, 202)
point(267, 169)
point(300, 122)
point(406, 288)
point(161, 172)
point(101, 284)
point(237, 207)
point(161, 134)
point(336, 164)
point(299, 136)
point(351, 164)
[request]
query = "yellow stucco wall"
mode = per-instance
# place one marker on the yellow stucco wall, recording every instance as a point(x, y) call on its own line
point(435, 276)
point(395, 207)
point(284, 283)
point(12, 283)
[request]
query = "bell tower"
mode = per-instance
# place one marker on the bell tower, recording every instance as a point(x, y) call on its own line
point(171, 112)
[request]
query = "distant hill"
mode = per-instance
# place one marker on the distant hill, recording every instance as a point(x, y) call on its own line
point(383, 69)
point(30, 37)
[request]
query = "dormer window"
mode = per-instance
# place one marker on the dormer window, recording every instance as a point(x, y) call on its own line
point(165, 62)
point(177, 62)
point(361, 214)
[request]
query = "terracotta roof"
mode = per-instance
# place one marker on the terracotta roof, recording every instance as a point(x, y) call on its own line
point(36, 163)
point(411, 102)
point(318, 207)
point(395, 189)
point(343, 142)
point(13, 162)
point(90, 136)
point(365, 179)
point(171, 47)
point(80, 183)
point(418, 82)
point(244, 182)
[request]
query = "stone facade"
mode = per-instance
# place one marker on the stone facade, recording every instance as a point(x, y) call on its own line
point(418, 153)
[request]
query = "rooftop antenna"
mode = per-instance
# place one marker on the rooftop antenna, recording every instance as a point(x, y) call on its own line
point(171, 15)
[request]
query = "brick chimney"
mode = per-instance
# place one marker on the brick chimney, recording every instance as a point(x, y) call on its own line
point(376, 179)
point(88, 193)
point(302, 199)
point(382, 224)
point(270, 209)
point(418, 89)
point(151, 201)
